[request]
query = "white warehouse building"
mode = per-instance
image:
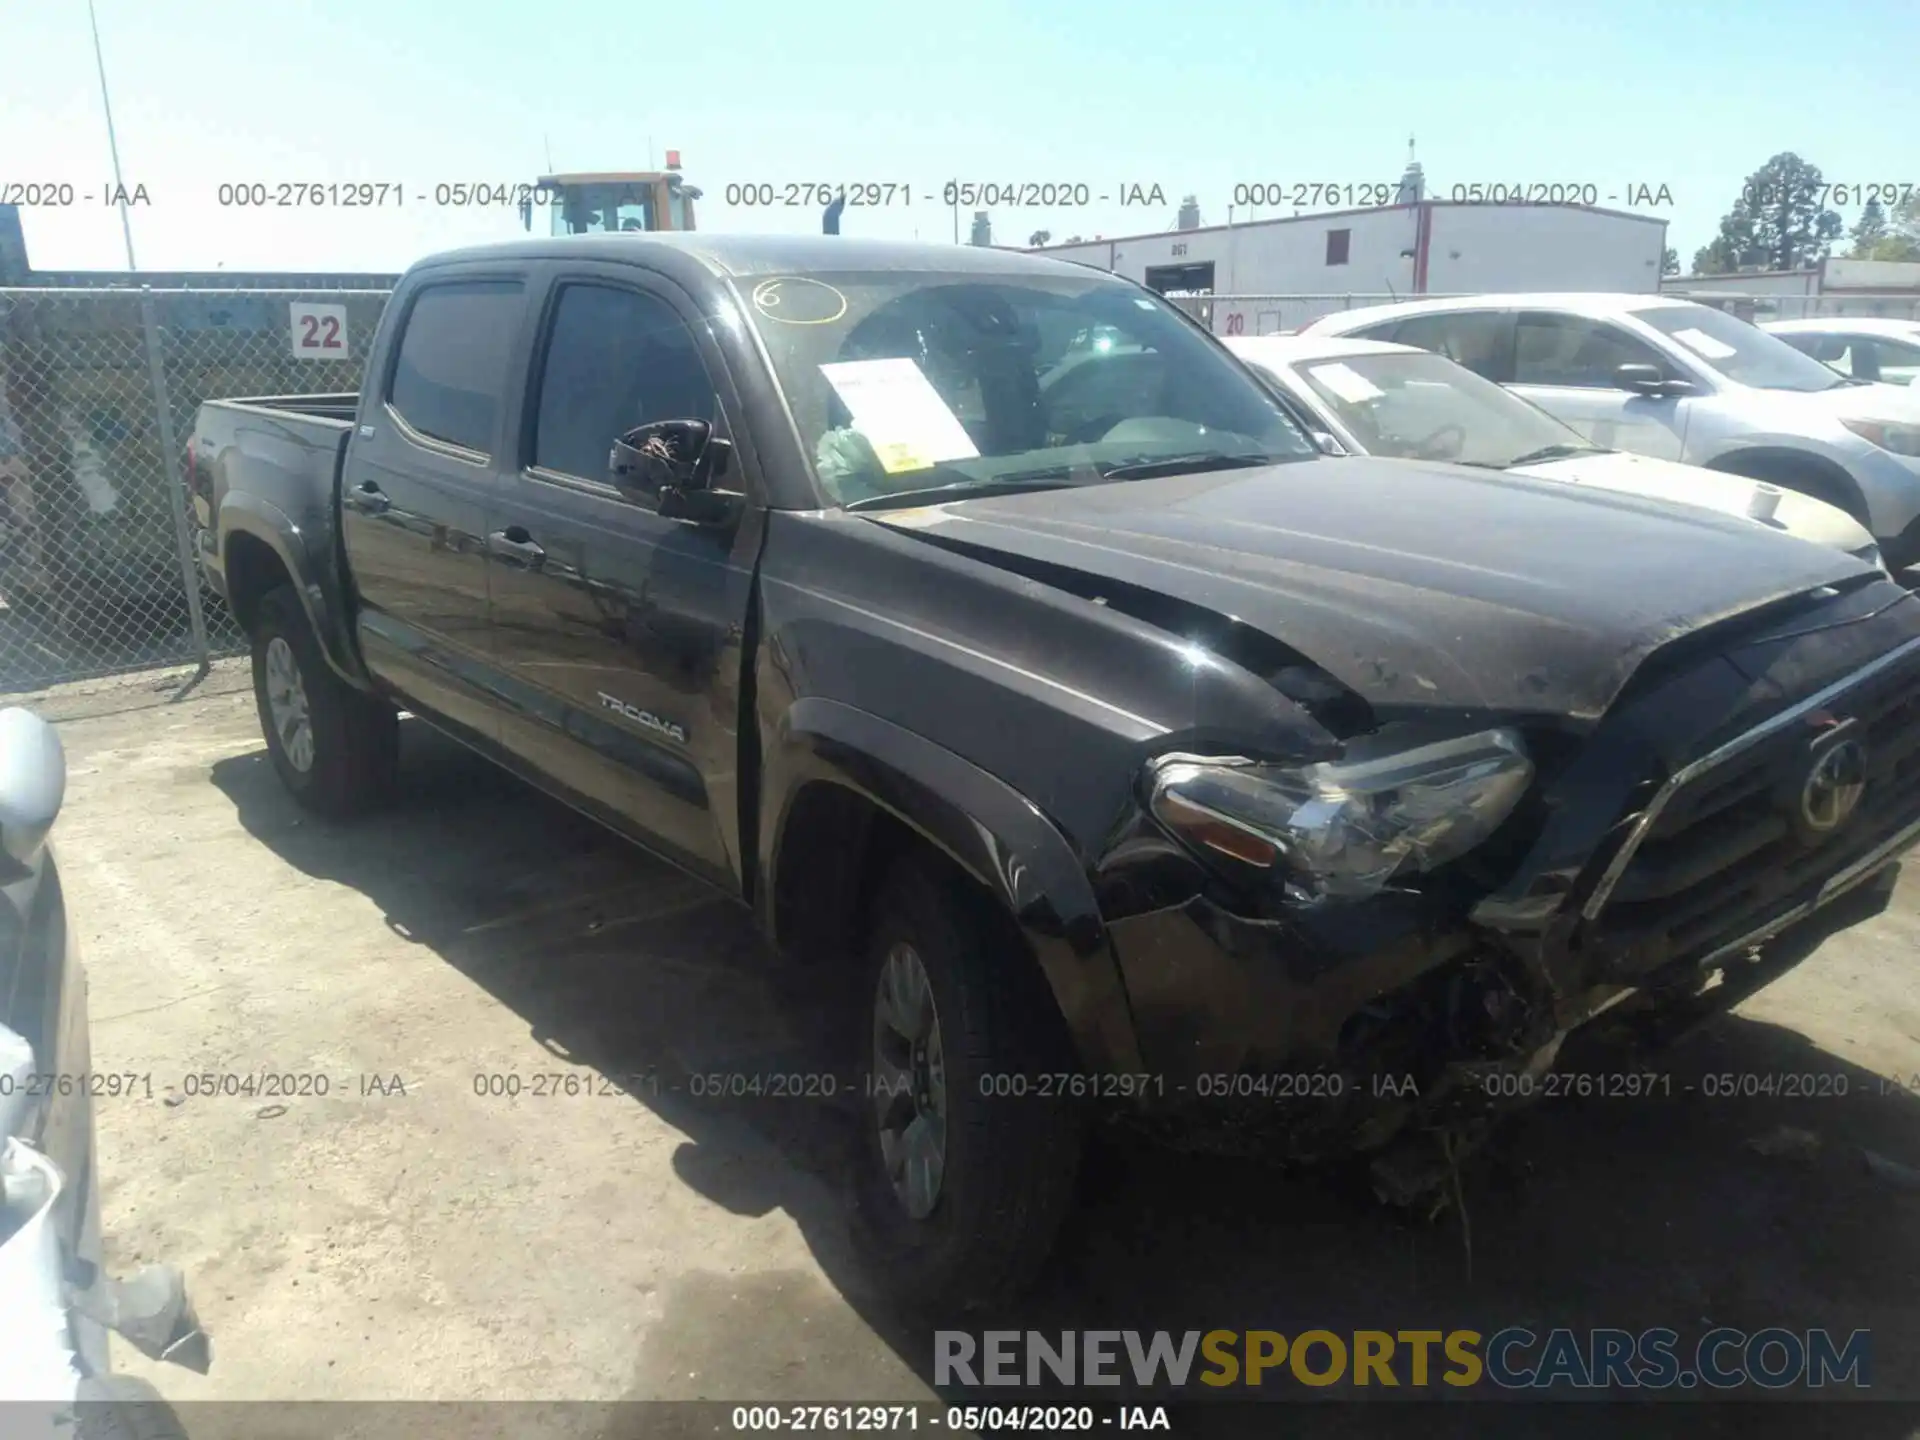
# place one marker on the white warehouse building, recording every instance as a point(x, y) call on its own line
point(1282, 273)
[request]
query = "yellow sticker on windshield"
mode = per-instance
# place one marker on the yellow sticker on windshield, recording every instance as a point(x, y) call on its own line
point(901, 456)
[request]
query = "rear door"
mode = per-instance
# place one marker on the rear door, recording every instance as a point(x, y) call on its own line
point(619, 631)
point(420, 473)
point(1565, 364)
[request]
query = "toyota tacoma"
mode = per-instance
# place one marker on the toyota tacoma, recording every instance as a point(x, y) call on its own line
point(1013, 656)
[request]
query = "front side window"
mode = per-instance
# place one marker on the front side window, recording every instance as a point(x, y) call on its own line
point(907, 382)
point(615, 359)
point(1745, 354)
point(1573, 351)
point(1477, 339)
point(1425, 407)
point(452, 364)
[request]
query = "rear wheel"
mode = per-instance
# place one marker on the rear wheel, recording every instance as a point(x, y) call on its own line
point(970, 1152)
point(335, 747)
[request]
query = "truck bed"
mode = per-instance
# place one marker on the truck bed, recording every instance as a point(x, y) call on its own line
point(279, 456)
point(337, 407)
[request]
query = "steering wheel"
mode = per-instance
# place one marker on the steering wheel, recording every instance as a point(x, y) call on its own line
point(1430, 447)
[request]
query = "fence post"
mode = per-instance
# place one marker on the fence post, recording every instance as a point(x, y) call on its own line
point(176, 483)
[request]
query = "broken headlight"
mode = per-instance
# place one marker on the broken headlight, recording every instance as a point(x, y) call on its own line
point(1344, 828)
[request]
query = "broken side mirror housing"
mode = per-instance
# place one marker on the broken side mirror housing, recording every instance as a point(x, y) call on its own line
point(673, 466)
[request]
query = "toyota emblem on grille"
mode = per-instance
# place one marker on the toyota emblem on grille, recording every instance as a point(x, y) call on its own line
point(1833, 787)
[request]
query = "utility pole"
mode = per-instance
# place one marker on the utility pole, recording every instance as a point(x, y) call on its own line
point(113, 145)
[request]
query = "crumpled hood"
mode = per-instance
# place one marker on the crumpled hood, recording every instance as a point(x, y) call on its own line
point(1417, 585)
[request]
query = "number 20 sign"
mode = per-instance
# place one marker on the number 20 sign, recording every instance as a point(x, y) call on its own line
point(319, 331)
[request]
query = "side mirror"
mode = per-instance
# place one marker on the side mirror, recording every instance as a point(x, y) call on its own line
point(1328, 445)
point(673, 464)
point(1649, 380)
point(33, 782)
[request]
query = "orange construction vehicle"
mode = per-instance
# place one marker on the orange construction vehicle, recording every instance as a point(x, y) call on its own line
point(588, 204)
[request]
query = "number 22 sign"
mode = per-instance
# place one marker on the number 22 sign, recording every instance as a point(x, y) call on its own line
point(319, 331)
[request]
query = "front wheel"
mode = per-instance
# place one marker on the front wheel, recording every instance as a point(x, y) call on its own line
point(970, 1147)
point(335, 747)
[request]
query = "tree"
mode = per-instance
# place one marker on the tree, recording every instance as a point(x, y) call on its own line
point(1869, 230)
point(1039, 238)
point(1898, 236)
point(1777, 223)
point(1670, 261)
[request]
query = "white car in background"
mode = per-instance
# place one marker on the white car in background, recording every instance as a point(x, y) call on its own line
point(1674, 380)
point(1862, 349)
point(1377, 398)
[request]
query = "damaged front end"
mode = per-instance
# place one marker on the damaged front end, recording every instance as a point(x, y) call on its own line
point(1383, 948)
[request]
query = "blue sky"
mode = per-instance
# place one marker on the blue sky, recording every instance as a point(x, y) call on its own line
point(1195, 97)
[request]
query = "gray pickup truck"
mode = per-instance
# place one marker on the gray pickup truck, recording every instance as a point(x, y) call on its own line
point(1018, 660)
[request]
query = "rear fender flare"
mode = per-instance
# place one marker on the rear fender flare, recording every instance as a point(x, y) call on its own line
point(260, 520)
point(984, 826)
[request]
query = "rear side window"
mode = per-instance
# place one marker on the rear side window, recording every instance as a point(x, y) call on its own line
point(1574, 352)
point(451, 370)
point(1481, 340)
point(615, 359)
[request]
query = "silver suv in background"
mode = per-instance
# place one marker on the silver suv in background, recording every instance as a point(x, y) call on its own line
point(1681, 381)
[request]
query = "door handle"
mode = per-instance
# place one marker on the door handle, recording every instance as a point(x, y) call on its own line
point(368, 498)
point(513, 543)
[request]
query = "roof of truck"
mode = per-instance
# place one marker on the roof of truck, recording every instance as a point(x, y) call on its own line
point(745, 255)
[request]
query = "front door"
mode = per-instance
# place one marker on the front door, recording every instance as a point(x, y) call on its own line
point(419, 477)
point(1565, 364)
point(618, 632)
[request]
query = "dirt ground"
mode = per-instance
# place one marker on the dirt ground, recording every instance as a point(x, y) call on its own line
point(409, 1235)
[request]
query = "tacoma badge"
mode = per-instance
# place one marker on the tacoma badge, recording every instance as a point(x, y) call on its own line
point(645, 718)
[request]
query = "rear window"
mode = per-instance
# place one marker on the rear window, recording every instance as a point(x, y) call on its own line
point(451, 370)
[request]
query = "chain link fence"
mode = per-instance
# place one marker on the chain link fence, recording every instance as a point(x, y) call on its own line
point(98, 387)
point(1852, 305)
point(1275, 314)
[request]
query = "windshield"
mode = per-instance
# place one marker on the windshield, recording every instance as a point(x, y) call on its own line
point(1422, 406)
point(903, 382)
point(1743, 353)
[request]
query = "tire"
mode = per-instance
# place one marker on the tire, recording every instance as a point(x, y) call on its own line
point(346, 760)
point(1008, 1163)
point(121, 1407)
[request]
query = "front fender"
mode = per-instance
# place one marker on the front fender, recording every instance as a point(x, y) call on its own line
point(245, 514)
point(982, 824)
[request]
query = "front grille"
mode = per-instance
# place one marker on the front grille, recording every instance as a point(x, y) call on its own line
point(1721, 857)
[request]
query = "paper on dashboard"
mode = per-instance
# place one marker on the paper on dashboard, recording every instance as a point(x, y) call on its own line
point(902, 416)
